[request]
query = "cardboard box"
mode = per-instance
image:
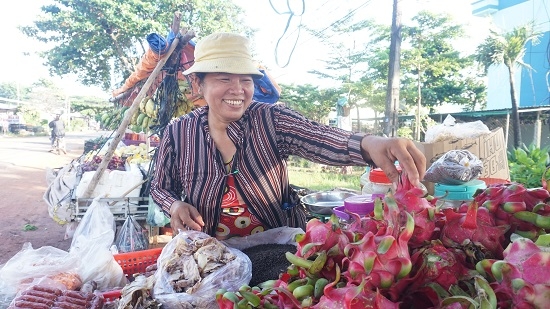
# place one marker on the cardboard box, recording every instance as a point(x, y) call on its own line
point(490, 148)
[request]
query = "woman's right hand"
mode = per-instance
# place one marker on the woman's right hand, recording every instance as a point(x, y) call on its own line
point(184, 216)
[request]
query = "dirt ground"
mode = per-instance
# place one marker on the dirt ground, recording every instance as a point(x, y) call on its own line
point(23, 164)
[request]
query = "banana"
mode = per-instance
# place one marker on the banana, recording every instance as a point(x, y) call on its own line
point(142, 104)
point(150, 108)
point(140, 118)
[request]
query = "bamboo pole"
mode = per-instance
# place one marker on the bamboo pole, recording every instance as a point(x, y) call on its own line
point(132, 110)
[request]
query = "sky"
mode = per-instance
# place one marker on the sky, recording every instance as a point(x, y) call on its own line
point(288, 57)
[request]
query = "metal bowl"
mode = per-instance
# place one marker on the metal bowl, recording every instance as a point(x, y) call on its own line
point(322, 203)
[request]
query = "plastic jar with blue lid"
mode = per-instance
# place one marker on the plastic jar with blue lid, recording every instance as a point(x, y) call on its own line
point(455, 195)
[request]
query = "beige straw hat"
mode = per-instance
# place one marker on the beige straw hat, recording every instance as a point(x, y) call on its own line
point(224, 53)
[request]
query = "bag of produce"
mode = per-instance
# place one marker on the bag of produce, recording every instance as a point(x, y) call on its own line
point(455, 167)
point(131, 237)
point(91, 244)
point(193, 266)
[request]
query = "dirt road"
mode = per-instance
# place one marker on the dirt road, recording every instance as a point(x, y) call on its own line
point(23, 164)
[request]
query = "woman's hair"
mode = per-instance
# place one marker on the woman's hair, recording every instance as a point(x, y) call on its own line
point(200, 77)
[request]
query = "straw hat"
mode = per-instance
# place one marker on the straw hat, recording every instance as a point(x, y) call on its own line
point(224, 53)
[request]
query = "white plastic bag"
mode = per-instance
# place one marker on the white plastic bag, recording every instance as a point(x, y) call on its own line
point(91, 243)
point(281, 235)
point(181, 249)
point(29, 264)
point(450, 129)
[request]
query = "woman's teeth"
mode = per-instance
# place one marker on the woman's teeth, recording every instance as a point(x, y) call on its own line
point(234, 102)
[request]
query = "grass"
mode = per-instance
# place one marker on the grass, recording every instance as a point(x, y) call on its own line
point(319, 179)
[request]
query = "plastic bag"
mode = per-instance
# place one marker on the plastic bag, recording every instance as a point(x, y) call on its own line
point(131, 237)
point(449, 129)
point(61, 186)
point(455, 167)
point(91, 242)
point(155, 216)
point(189, 251)
point(30, 264)
point(280, 235)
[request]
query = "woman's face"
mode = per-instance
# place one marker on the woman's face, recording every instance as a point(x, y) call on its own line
point(227, 95)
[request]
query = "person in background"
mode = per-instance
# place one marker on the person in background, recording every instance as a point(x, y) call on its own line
point(57, 127)
point(222, 168)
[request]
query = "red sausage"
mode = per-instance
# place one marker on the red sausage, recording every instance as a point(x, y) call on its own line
point(46, 295)
point(35, 299)
point(76, 294)
point(66, 305)
point(46, 289)
point(98, 302)
point(30, 305)
point(72, 300)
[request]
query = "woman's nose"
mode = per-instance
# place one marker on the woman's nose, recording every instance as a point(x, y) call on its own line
point(237, 86)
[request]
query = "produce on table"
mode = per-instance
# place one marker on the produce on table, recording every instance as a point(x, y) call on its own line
point(410, 253)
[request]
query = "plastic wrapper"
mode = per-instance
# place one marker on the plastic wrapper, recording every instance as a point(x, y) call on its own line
point(29, 265)
point(155, 216)
point(200, 265)
point(91, 245)
point(280, 235)
point(131, 237)
point(450, 129)
point(455, 167)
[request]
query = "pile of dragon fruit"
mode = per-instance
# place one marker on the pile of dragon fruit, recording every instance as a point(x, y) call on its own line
point(410, 253)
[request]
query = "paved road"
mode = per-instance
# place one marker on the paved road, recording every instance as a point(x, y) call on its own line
point(23, 165)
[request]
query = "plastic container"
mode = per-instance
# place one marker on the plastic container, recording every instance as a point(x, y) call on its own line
point(378, 183)
point(455, 195)
point(364, 178)
point(137, 261)
point(359, 204)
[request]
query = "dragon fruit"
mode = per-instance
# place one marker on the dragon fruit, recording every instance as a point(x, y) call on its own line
point(432, 264)
point(472, 224)
point(506, 199)
point(522, 278)
point(412, 199)
point(353, 297)
point(381, 259)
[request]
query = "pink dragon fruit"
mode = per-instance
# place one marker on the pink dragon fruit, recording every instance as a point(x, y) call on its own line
point(522, 278)
point(472, 224)
point(381, 259)
point(432, 264)
point(353, 297)
point(507, 199)
point(412, 199)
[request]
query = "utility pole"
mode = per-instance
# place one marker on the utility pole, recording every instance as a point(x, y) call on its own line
point(392, 94)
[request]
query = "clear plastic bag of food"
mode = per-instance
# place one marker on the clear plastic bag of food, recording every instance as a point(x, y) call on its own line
point(455, 167)
point(450, 129)
point(131, 237)
point(193, 266)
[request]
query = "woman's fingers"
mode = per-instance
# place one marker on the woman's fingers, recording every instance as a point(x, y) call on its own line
point(183, 216)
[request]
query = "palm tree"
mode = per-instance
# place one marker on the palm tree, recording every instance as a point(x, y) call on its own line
point(508, 49)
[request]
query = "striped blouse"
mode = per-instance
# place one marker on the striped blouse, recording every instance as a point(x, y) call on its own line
point(189, 167)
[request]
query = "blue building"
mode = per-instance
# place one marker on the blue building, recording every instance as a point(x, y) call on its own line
point(533, 87)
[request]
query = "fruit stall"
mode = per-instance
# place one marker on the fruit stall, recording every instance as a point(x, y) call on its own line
point(466, 240)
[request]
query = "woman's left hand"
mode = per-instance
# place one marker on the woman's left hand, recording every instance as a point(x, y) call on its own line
point(384, 151)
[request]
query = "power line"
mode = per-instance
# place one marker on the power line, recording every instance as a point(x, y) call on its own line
point(298, 29)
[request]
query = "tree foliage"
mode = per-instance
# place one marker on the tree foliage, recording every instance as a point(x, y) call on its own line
point(433, 64)
point(310, 101)
point(508, 49)
point(103, 40)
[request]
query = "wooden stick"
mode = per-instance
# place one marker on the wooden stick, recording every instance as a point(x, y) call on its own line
point(131, 111)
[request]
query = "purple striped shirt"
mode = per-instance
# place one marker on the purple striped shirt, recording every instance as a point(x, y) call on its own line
point(188, 165)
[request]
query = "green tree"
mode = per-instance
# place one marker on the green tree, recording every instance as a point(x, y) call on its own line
point(102, 40)
point(508, 49)
point(434, 71)
point(11, 90)
point(310, 101)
